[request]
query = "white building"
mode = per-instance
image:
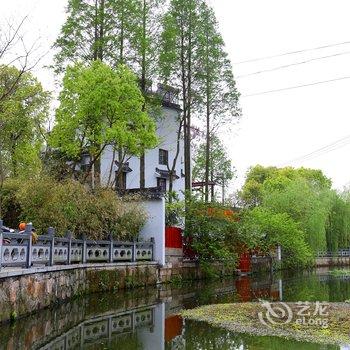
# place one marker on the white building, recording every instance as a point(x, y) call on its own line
point(158, 161)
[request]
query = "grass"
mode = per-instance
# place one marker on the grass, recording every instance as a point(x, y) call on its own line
point(244, 318)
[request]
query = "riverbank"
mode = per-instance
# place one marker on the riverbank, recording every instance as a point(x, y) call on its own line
point(331, 327)
point(23, 291)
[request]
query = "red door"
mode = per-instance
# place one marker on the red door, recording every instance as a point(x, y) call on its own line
point(245, 262)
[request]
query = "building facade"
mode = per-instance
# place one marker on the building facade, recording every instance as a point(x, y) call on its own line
point(158, 161)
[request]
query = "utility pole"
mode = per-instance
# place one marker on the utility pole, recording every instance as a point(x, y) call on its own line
point(223, 188)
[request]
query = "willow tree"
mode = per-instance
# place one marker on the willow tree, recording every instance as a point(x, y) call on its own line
point(218, 96)
point(99, 107)
point(338, 222)
point(180, 40)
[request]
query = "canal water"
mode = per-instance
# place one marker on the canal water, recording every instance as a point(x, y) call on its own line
point(147, 319)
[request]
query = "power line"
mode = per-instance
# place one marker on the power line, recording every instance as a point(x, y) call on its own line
point(323, 150)
point(292, 52)
point(294, 64)
point(296, 87)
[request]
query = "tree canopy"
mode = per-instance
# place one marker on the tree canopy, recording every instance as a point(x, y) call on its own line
point(101, 106)
point(22, 123)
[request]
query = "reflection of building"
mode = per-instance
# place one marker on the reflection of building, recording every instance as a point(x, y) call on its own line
point(248, 290)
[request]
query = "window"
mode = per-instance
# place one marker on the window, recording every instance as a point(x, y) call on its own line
point(123, 185)
point(163, 157)
point(161, 183)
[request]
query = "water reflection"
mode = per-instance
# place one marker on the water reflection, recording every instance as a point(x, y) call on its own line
point(147, 319)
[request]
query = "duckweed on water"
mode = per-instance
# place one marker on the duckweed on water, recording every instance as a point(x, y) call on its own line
point(244, 318)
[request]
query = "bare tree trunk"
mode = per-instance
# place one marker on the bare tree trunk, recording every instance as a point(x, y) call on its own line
point(143, 87)
point(172, 169)
point(188, 185)
point(207, 146)
point(111, 168)
point(95, 54)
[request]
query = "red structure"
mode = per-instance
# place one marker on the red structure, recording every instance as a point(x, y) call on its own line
point(173, 327)
point(245, 262)
point(173, 237)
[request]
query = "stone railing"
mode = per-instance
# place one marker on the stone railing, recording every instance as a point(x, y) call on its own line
point(18, 249)
point(338, 254)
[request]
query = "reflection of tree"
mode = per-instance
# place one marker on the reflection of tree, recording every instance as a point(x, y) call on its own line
point(313, 287)
point(200, 335)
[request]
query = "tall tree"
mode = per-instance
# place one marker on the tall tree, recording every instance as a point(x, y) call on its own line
point(96, 29)
point(220, 167)
point(218, 96)
point(177, 62)
point(145, 43)
point(99, 107)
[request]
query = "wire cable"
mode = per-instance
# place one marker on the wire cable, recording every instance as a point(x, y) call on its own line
point(292, 52)
point(323, 150)
point(293, 64)
point(296, 87)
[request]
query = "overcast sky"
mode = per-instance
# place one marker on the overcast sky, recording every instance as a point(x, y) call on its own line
point(276, 127)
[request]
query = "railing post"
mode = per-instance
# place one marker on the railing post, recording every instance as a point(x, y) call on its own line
point(152, 241)
point(51, 234)
point(111, 248)
point(28, 231)
point(69, 255)
point(1, 240)
point(84, 250)
point(134, 251)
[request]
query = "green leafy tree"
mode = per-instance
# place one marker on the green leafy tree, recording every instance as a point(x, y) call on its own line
point(338, 222)
point(218, 96)
point(304, 202)
point(101, 107)
point(272, 229)
point(96, 29)
point(22, 123)
point(180, 40)
point(221, 170)
point(144, 42)
point(304, 195)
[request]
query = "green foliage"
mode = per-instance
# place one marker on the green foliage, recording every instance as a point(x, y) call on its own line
point(93, 30)
point(174, 213)
point(271, 229)
point(70, 206)
point(217, 93)
point(213, 235)
point(304, 202)
point(338, 223)
point(23, 114)
point(100, 106)
point(220, 166)
point(303, 195)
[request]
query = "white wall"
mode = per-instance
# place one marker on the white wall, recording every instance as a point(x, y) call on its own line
point(167, 128)
point(155, 226)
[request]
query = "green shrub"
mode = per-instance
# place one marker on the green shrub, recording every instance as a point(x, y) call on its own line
point(212, 234)
point(70, 206)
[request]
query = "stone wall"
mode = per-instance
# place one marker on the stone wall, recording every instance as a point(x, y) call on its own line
point(24, 291)
point(34, 289)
